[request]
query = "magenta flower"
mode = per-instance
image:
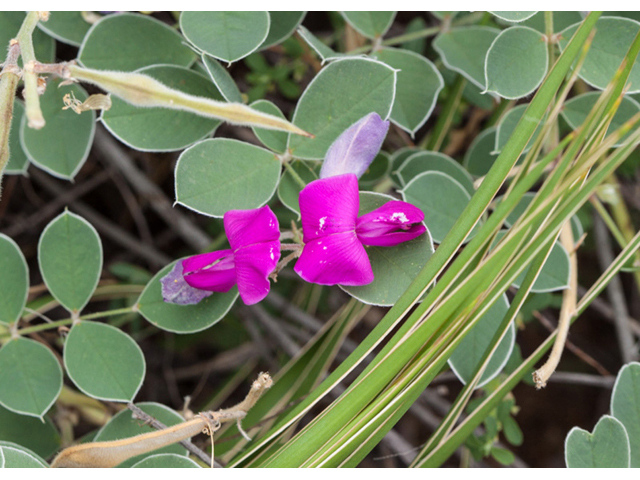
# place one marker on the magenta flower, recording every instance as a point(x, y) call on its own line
point(254, 238)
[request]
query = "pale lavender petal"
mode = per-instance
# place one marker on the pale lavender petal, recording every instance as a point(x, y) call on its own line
point(391, 224)
point(354, 150)
point(253, 266)
point(338, 259)
point(218, 275)
point(176, 290)
point(247, 227)
point(329, 206)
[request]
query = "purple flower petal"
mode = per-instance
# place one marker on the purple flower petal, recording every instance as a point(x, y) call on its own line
point(213, 272)
point(176, 290)
point(335, 259)
point(329, 206)
point(253, 266)
point(391, 224)
point(248, 227)
point(354, 150)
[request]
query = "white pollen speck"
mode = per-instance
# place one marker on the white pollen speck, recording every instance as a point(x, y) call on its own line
point(322, 222)
point(399, 216)
point(324, 248)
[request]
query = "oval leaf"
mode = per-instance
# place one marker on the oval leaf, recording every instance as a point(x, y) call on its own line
point(613, 37)
point(481, 153)
point(70, 259)
point(104, 362)
point(464, 50)
point(33, 373)
point(218, 175)
point(341, 94)
point(378, 169)
point(126, 42)
point(394, 268)
point(43, 45)
point(561, 20)
point(575, 112)
point(468, 354)
point(227, 36)
point(370, 24)
point(282, 26)
point(397, 160)
point(67, 27)
point(62, 146)
point(625, 406)
point(516, 63)
point(289, 188)
point(606, 447)
point(14, 281)
point(273, 139)
point(31, 432)
point(434, 162)
point(222, 79)
point(441, 198)
point(419, 84)
point(18, 161)
point(166, 460)
point(163, 129)
point(123, 425)
point(182, 318)
point(15, 457)
point(515, 17)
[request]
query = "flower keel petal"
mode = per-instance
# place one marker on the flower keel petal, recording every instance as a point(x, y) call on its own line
point(253, 266)
point(218, 276)
point(335, 259)
point(391, 224)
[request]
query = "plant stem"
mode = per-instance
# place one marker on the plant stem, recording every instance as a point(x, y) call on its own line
point(294, 174)
point(32, 99)
point(446, 115)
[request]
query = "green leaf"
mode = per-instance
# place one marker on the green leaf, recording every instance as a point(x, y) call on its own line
point(516, 63)
point(468, 354)
point(441, 198)
point(273, 139)
point(397, 160)
point(18, 161)
point(123, 425)
point(370, 24)
point(426, 161)
point(341, 94)
point(33, 373)
point(221, 174)
point(575, 112)
point(67, 27)
point(163, 129)
point(104, 362)
point(464, 50)
point(378, 169)
point(14, 281)
point(419, 44)
point(227, 36)
point(507, 126)
point(16, 457)
point(394, 268)
point(608, 49)
point(166, 460)
point(182, 318)
point(625, 406)
point(480, 154)
point(606, 447)
point(289, 189)
point(419, 84)
point(323, 50)
point(222, 79)
point(43, 45)
point(515, 17)
point(32, 433)
point(561, 20)
point(128, 41)
point(62, 146)
point(512, 431)
point(502, 455)
point(283, 24)
point(554, 274)
point(70, 259)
